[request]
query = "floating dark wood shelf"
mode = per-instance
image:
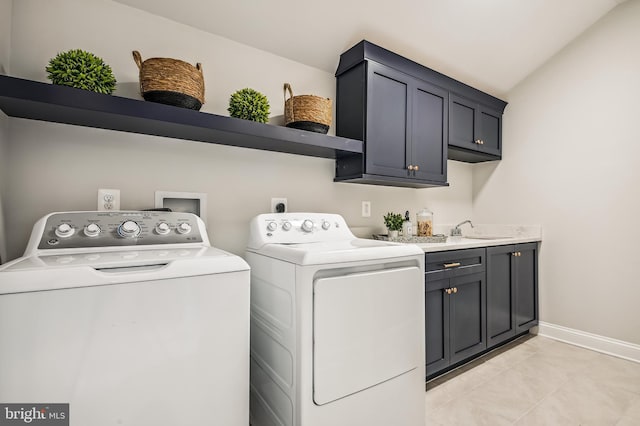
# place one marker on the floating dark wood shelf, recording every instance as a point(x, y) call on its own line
point(60, 104)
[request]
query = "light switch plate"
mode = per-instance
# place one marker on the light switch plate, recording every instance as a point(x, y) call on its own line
point(366, 209)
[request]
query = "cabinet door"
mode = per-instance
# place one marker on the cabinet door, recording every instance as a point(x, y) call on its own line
point(429, 132)
point(463, 122)
point(474, 127)
point(436, 325)
point(388, 121)
point(501, 297)
point(526, 283)
point(490, 131)
point(468, 333)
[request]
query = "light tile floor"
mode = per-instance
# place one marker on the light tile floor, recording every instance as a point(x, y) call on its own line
point(538, 381)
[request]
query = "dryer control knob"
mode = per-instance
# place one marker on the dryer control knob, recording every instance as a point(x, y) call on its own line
point(286, 226)
point(272, 226)
point(129, 229)
point(64, 230)
point(92, 230)
point(184, 228)
point(163, 228)
point(325, 225)
point(307, 225)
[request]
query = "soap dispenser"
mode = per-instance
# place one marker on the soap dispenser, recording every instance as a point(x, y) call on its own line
point(407, 226)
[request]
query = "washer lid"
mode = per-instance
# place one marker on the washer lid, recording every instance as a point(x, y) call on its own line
point(86, 269)
point(351, 250)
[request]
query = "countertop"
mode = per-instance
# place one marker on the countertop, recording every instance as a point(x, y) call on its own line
point(457, 243)
point(487, 236)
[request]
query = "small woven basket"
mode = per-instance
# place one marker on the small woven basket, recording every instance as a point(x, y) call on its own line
point(306, 112)
point(171, 81)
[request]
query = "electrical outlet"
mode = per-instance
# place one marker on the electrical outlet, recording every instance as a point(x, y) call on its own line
point(366, 209)
point(108, 199)
point(279, 205)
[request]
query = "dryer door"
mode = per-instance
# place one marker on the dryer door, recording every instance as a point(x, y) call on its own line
point(366, 330)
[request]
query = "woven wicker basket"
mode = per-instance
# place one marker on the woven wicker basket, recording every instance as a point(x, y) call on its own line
point(171, 81)
point(306, 112)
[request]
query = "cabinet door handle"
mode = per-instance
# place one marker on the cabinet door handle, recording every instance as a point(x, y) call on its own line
point(451, 265)
point(481, 142)
point(455, 289)
point(447, 290)
point(410, 168)
point(416, 168)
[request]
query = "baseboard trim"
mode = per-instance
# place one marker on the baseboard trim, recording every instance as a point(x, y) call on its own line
point(606, 345)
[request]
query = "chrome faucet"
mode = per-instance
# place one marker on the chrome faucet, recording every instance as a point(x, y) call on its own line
point(456, 231)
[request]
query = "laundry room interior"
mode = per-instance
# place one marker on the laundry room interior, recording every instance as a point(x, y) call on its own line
point(567, 71)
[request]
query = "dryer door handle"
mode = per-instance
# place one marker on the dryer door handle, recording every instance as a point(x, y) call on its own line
point(132, 269)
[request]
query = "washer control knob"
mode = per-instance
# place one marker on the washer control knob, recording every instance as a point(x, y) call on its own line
point(184, 228)
point(286, 226)
point(272, 226)
point(129, 229)
point(307, 225)
point(64, 230)
point(325, 225)
point(92, 230)
point(163, 228)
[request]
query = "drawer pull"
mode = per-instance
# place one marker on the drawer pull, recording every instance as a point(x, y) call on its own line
point(451, 265)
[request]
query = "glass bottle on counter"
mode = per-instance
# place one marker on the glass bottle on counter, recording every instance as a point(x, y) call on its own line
point(425, 223)
point(407, 226)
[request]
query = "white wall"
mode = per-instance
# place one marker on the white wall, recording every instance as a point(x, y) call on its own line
point(5, 43)
point(5, 34)
point(58, 167)
point(4, 176)
point(570, 162)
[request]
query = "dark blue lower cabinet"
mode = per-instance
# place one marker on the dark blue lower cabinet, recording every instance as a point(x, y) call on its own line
point(476, 299)
point(455, 313)
point(526, 285)
point(501, 294)
point(437, 325)
point(467, 335)
point(512, 291)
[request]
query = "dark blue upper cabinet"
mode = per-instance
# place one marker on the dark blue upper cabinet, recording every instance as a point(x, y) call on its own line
point(475, 131)
point(411, 119)
point(402, 121)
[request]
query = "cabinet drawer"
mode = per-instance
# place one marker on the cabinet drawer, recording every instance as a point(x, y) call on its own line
point(454, 263)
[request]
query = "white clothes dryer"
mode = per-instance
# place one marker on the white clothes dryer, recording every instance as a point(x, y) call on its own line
point(337, 325)
point(129, 317)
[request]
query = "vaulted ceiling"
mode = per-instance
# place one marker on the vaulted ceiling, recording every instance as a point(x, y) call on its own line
point(490, 44)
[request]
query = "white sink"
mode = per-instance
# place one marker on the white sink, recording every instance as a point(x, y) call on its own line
point(485, 237)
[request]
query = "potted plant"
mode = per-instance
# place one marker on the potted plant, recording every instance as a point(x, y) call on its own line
point(249, 104)
point(82, 70)
point(393, 222)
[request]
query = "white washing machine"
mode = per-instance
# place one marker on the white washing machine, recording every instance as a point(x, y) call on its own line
point(337, 325)
point(130, 317)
